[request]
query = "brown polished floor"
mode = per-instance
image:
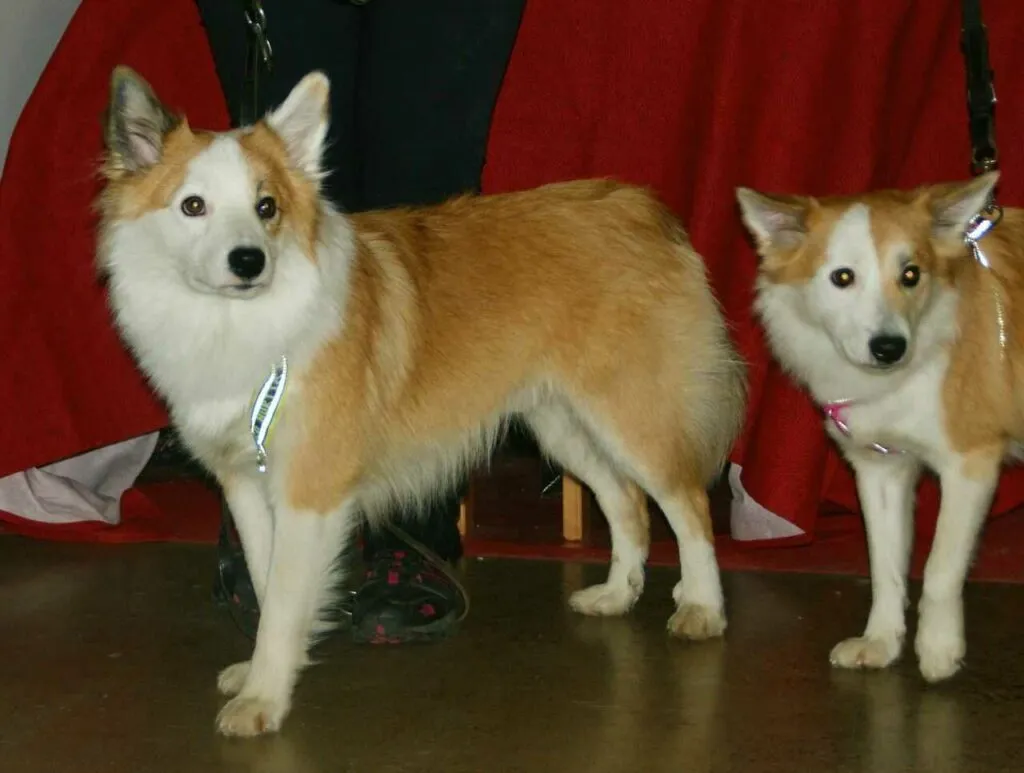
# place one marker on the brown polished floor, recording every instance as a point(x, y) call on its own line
point(109, 656)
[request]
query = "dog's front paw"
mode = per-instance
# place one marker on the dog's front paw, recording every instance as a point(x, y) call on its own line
point(939, 655)
point(604, 599)
point(231, 679)
point(246, 716)
point(697, 622)
point(866, 652)
point(940, 642)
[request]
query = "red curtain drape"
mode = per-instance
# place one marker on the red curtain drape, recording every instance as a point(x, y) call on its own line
point(695, 97)
point(69, 385)
point(692, 97)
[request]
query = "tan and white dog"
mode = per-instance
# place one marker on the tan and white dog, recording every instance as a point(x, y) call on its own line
point(913, 348)
point(388, 350)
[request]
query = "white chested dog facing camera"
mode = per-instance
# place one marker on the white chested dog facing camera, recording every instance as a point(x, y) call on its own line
point(914, 348)
point(322, 364)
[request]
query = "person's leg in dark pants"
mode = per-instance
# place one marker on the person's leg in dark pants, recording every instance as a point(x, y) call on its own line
point(306, 35)
point(414, 85)
point(429, 75)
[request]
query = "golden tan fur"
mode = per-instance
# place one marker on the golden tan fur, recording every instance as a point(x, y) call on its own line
point(589, 289)
point(984, 389)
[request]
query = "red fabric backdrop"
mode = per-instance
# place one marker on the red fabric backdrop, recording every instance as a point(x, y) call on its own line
point(692, 97)
point(69, 385)
point(695, 97)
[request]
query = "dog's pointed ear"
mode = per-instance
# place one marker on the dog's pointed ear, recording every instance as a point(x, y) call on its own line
point(952, 205)
point(775, 222)
point(136, 123)
point(302, 120)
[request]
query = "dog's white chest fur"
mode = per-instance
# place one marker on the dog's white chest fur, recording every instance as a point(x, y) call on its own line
point(900, 409)
point(909, 419)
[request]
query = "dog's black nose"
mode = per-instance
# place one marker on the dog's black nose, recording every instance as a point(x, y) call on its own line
point(247, 263)
point(888, 350)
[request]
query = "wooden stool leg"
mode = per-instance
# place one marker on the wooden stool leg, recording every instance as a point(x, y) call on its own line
point(572, 509)
point(466, 512)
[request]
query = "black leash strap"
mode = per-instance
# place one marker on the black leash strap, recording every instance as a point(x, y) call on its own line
point(259, 60)
point(981, 93)
point(981, 106)
point(239, 597)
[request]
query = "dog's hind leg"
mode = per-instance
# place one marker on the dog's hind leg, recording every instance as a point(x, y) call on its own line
point(624, 505)
point(700, 606)
point(303, 560)
point(652, 448)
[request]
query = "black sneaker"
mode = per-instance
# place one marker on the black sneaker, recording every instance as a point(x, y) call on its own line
point(405, 599)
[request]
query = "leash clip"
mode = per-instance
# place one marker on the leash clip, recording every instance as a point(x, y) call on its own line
point(977, 228)
point(256, 18)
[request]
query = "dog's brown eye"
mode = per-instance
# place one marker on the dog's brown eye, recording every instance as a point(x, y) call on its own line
point(266, 208)
point(911, 276)
point(193, 206)
point(842, 277)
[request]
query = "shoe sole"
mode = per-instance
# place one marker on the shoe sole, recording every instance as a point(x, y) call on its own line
point(385, 633)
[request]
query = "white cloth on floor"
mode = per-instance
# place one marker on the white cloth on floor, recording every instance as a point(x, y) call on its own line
point(87, 487)
point(749, 519)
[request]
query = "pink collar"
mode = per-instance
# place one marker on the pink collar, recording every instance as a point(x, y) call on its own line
point(837, 412)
